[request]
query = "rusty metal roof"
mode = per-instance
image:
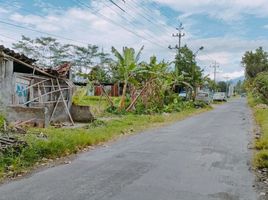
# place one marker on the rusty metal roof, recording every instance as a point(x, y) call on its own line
point(59, 71)
point(19, 56)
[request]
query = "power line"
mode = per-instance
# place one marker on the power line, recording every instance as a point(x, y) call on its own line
point(131, 23)
point(146, 16)
point(163, 13)
point(42, 32)
point(117, 5)
point(116, 23)
point(69, 39)
point(8, 37)
point(157, 26)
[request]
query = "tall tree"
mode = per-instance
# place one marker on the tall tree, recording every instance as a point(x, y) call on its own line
point(186, 66)
point(47, 50)
point(255, 62)
point(222, 86)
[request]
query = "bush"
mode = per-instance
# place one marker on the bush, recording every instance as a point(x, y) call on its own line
point(261, 86)
point(261, 159)
point(2, 121)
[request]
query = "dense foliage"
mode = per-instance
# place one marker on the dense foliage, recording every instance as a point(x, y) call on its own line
point(256, 67)
point(148, 87)
point(260, 85)
point(49, 52)
point(255, 62)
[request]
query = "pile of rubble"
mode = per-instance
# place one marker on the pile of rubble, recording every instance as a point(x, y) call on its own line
point(9, 138)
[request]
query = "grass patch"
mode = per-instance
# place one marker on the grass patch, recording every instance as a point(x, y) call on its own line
point(261, 144)
point(64, 141)
point(98, 105)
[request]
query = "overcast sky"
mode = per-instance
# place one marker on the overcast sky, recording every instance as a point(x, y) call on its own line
point(226, 28)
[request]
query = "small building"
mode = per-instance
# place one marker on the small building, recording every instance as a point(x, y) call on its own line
point(28, 92)
point(111, 89)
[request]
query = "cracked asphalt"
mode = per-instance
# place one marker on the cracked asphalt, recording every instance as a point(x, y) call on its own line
point(204, 157)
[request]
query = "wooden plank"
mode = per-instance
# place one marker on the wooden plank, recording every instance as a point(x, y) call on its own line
point(45, 95)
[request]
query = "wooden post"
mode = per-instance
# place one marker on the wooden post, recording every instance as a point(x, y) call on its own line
point(65, 104)
point(55, 108)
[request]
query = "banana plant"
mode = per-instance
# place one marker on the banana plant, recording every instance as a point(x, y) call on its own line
point(127, 64)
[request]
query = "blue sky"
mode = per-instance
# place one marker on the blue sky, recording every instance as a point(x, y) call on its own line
point(226, 28)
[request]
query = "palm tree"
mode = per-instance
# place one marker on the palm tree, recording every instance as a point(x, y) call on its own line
point(127, 64)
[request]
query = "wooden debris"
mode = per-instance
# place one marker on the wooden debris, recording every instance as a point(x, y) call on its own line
point(7, 142)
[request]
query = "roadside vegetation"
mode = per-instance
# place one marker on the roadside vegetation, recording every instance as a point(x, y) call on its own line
point(256, 67)
point(51, 143)
point(148, 98)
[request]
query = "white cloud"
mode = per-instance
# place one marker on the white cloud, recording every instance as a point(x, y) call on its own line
point(227, 10)
point(230, 75)
point(80, 24)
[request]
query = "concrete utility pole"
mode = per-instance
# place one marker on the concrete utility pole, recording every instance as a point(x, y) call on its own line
point(215, 66)
point(180, 34)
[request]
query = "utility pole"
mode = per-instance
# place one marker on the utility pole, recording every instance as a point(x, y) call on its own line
point(215, 66)
point(180, 34)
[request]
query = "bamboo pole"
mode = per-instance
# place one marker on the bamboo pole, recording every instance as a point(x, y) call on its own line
point(55, 108)
point(45, 95)
point(66, 106)
point(107, 96)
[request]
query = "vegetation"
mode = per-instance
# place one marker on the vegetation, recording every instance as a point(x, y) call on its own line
point(261, 144)
point(260, 85)
point(51, 143)
point(149, 90)
point(126, 67)
point(256, 66)
point(255, 62)
point(49, 52)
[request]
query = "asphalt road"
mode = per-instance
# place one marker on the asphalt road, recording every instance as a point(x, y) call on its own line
point(204, 157)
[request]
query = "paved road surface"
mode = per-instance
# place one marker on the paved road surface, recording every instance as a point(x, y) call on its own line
point(201, 158)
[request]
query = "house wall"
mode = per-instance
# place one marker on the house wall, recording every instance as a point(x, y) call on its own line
point(111, 90)
point(6, 81)
point(13, 96)
point(19, 113)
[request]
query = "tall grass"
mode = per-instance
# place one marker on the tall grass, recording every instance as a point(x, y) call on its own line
point(261, 144)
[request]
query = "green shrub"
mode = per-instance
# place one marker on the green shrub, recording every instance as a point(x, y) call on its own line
point(261, 85)
point(261, 159)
